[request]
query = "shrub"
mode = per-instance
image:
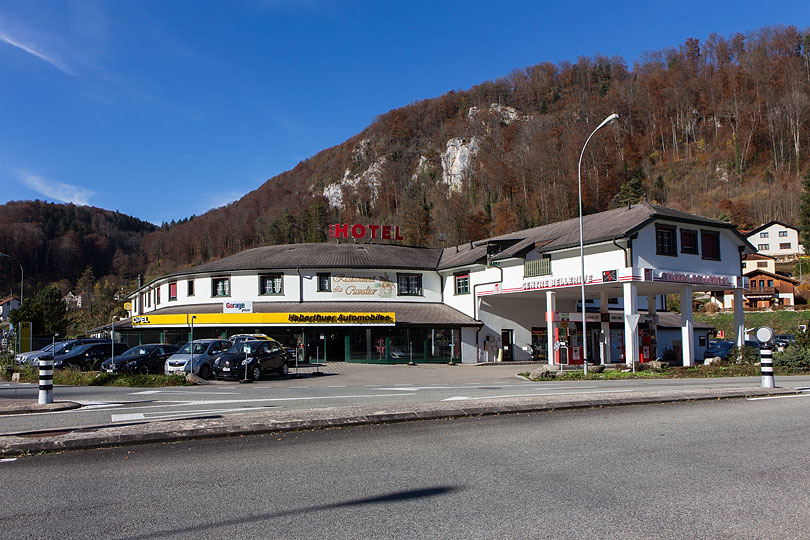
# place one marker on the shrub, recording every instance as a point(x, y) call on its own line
point(711, 307)
point(748, 356)
point(793, 357)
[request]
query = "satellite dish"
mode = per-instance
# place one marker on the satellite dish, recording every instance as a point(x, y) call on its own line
point(764, 334)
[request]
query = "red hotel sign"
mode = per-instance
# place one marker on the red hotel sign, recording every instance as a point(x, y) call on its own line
point(359, 231)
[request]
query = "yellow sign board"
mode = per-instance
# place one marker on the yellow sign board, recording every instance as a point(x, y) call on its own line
point(128, 306)
point(26, 336)
point(286, 319)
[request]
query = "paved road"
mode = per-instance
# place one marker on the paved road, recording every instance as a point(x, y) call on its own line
point(343, 385)
point(715, 470)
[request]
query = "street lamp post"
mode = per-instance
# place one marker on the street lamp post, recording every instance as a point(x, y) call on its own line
point(191, 347)
point(609, 120)
point(112, 340)
point(22, 274)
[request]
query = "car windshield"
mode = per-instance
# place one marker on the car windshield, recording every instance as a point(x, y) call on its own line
point(244, 348)
point(136, 351)
point(199, 348)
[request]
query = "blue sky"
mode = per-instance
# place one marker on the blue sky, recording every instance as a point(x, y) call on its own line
point(164, 109)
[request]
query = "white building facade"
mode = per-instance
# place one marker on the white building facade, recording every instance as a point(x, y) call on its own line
point(776, 239)
point(511, 297)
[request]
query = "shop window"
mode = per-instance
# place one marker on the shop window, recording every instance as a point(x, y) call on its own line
point(221, 286)
point(324, 282)
point(271, 284)
point(190, 287)
point(665, 241)
point(409, 284)
point(763, 235)
point(172, 291)
point(462, 282)
point(784, 245)
point(782, 234)
point(710, 245)
point(763, 247)
point(689, 241)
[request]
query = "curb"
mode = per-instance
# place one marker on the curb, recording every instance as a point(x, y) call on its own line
point(273, 422)
point(26, 407)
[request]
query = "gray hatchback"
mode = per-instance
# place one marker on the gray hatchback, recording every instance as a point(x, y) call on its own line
point(203, 352)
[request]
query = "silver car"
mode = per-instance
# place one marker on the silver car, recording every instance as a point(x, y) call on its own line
point(204, 352)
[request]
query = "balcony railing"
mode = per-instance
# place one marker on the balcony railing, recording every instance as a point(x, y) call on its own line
point(537, 267)
point(762, 292)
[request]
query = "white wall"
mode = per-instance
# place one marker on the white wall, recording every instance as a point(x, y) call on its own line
point(773, 240)
point(667, 336)
point(644, 252)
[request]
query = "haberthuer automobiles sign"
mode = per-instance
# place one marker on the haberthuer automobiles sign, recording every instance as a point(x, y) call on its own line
point(268, 319)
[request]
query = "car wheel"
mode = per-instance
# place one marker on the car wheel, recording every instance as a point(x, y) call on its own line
point(257, 373)
point(205, 371)
point(284, 370)
point(144, 370)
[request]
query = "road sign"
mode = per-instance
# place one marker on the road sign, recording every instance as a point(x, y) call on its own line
point(633, 320)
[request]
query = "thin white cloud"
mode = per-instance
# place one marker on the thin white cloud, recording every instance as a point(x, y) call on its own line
point(35, 51)
point(57, 191)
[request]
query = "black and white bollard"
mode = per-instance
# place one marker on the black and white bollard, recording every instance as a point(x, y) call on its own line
point(766, 366)
point(46, 381)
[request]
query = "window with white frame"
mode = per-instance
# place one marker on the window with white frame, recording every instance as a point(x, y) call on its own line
point(785, 245)
point(763, 234)
point(763, 247)
point(462, 283)
point(782, 234)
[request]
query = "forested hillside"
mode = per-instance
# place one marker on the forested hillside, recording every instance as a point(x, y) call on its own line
point(61, 241)
point(718, 128)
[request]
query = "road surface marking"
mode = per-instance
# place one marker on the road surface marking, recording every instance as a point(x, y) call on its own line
point(8, 460)
point(414, 388)
point(126, 417)
point(193, 392)
point(777, 397)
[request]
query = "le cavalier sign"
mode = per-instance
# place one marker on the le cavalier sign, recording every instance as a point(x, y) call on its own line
point(268, 319)
point(358, 231)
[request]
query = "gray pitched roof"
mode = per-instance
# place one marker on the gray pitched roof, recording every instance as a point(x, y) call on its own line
point(324, 255)
point(599, 227)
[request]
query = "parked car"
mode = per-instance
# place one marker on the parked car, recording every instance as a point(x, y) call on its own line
point(252, 358)
point(22, 359)
point(239, 338)
point(87, 355)
point(204, 351)
point(783, 341)
point(718, 347)
point(143, 359)
point(65, 347)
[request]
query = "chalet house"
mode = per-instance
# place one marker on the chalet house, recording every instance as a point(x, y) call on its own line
point(7, 305)
point(765, 290)
point(776, 239)
point(757, 261)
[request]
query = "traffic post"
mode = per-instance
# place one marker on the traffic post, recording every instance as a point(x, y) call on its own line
point(45, 381)
point(765, 336)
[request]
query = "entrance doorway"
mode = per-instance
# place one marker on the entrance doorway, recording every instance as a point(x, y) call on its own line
point(506, 345)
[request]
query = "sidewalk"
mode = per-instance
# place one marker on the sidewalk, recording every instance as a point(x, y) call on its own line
point(279, 421)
